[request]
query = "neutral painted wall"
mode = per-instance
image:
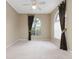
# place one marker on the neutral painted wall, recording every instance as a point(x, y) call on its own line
point(23, 26)
point(69, 24)
point(11, 25)
point(45, 27)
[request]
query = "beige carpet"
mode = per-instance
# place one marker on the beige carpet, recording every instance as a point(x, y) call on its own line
point(36, 50)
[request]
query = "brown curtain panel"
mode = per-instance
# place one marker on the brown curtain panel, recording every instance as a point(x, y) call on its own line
point(62, 9)
point(30, 22)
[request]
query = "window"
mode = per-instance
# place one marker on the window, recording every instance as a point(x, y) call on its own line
point(36, 27)
point(57, 28)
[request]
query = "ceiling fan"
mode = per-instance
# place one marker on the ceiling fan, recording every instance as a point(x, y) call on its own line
point(35, 4)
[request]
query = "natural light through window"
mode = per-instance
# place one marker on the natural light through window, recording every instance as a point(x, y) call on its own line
point(36, 27)
point(57, 28)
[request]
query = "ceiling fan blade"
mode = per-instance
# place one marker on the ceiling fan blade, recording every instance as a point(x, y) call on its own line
point(26, 4)
point(39, 8)
point(42, 3)
point(33, 1)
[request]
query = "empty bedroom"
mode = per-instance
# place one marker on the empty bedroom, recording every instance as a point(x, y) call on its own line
point(38, 29)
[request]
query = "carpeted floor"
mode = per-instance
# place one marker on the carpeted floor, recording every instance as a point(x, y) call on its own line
point(36, 50)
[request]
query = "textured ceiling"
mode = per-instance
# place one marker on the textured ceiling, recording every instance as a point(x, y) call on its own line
point(47, 7)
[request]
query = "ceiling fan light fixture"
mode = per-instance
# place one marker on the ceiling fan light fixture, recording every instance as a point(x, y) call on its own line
point(34, 6)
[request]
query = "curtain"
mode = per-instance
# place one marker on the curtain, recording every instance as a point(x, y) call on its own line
point(62, 9)
point(30, 22)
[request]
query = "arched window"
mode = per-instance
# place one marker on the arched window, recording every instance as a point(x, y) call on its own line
point(57, 28)
point(36, 27)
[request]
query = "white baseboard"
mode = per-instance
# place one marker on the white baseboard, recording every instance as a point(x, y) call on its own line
point(22, 39)
point(34, 40)
point(40, 39)
point(11, 43)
